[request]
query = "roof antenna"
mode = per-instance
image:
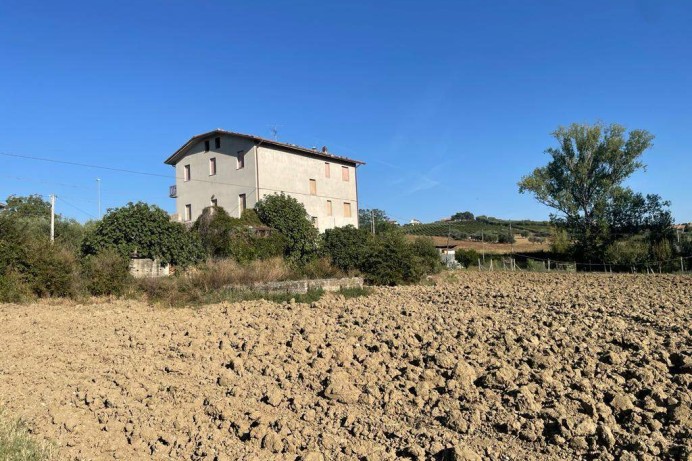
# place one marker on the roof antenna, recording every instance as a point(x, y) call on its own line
point(275, 131)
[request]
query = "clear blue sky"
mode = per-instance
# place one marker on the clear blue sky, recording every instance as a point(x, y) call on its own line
point(449, 103)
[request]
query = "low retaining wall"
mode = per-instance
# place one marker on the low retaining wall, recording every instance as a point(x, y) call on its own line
point(303, 286)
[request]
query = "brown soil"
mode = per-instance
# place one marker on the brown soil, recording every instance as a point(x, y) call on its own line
point(486, 366)
point(521, 245)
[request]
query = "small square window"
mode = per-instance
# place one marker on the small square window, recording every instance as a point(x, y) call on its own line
point(217, 143)
point(206, 146)
point(344, 173)
point(241, 159)
point(314, 221)
point(212, 166)
point(214, 202)
point(186, 173)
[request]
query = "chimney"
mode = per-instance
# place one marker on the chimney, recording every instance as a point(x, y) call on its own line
point(324, 149)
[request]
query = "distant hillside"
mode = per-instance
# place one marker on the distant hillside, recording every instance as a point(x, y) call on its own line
point(482, 227)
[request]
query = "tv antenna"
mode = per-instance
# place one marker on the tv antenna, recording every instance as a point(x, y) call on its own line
point(275, 131)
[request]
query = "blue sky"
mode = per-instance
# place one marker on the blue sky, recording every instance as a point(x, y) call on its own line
point(449, 103)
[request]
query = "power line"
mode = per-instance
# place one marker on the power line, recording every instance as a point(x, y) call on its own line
point(76, 207)
point(159, 175)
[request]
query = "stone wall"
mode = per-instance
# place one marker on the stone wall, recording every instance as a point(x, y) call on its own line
point(303, 286)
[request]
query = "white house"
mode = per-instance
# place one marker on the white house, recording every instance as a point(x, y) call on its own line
point(234, 171)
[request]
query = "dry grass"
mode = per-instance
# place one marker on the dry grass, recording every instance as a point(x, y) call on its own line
point(16, 444)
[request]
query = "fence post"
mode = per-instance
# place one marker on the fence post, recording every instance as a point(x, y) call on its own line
point(479, 264)
point(682, 265)
point(549, 265)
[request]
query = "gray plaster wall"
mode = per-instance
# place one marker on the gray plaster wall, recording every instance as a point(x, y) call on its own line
point(228, 183)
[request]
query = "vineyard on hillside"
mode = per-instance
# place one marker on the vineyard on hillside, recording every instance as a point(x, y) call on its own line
point(481, 228)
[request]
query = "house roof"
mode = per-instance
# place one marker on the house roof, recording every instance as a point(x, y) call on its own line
point(177, 155)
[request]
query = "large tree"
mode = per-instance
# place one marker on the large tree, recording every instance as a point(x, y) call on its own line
point(145, 230)
point(583, 182)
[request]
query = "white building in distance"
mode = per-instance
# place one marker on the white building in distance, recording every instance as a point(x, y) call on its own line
point(234, 171)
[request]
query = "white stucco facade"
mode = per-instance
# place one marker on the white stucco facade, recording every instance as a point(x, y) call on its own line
point(233, 170)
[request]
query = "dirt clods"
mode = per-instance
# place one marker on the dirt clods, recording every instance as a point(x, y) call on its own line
point(501, 366)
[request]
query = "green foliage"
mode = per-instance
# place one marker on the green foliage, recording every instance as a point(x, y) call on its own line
point(560, 242)
point(31, 214)
point(628, 252)
point(106, 273)
point(506, 237)
point(225, 237)
point(491, 227)
point(13, 288)
point(288, 216)
point(346, 246)
point(145, 230)
point(319, 268)
point(17, 444)
point(463, 216)
point(467, 258)
point(391, 261)
point(426, 256)
point(51, 271)
point(583, 180)
point(383, 223)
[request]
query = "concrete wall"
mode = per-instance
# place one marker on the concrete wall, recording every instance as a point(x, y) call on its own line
point(144, 268)
point(282, 171)
point(268, 170)
point(228, 183)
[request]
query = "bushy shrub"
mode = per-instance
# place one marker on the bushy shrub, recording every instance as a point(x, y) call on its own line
point(13, 288)
point(346, 246)
point(52, 271)
point(319, 268)
point(288, 216)
point(106, 273)
point(390, 261)
point(506, 237)
point(467, 258)
point(145, 230)
point(426, 256)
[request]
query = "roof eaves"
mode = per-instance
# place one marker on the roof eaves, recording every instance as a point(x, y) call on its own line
point(173, 158)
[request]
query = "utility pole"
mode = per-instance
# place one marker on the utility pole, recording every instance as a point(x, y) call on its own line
point(98, 187)
point(483, 245)
point(372, 219)
point(52, 218)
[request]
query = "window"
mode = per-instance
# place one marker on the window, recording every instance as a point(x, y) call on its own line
point(241, 160)
point(186, 173)
point(242, 204)
point(212, 166)
point(313, 187)
point(214, 202)
point(217, 143)
point(344, 173)
point(188, 212)
point(314, 220)
point(206, 146)
point(329, 207)
point(347, 210)
point(327, 173)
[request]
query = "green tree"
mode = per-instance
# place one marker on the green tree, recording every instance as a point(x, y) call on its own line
point(463, 216)
point(288, 216)
point(585, 171)
point(383, 223)
point(145, 230)
point(32, 214)
point(346, 246)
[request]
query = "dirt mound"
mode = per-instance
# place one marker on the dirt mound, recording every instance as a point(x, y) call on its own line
point(489, 366)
